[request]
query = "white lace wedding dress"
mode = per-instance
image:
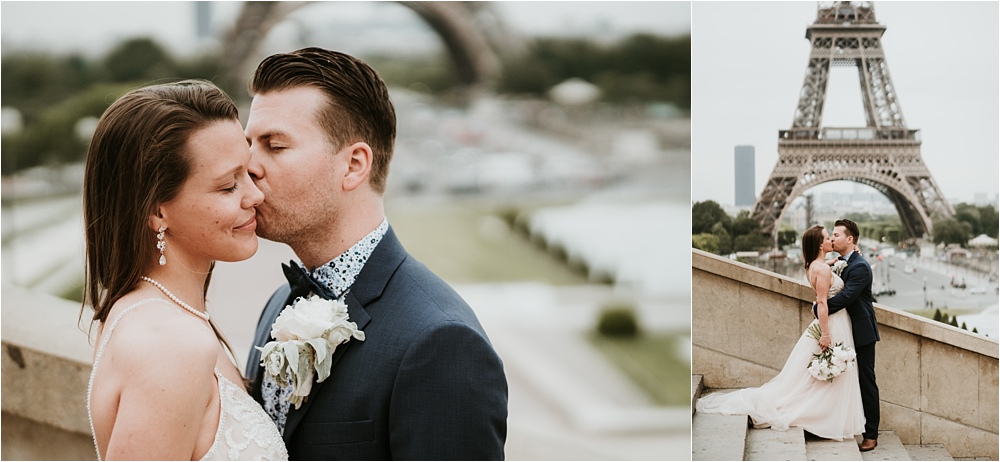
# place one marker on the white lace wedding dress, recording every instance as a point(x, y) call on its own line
point(794, 398)
point(245, 431)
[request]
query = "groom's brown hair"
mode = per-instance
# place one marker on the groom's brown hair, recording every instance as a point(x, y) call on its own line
point(358, 106)
point(850, 226)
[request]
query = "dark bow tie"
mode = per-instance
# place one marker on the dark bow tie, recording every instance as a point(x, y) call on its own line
point(302, 283)
point(842, 258)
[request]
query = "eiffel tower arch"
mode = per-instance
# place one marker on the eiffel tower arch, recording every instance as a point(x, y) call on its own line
point(884, 154)
point(472, 33)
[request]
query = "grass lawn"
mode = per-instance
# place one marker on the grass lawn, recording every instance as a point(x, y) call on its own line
point(468, 243)
point(929, 313)
point(946, 312)
point(651, 361)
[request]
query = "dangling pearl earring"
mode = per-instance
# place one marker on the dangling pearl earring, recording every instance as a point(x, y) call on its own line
point(161, 244)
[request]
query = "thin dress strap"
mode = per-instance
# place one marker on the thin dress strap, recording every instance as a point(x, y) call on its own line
point(100, 352)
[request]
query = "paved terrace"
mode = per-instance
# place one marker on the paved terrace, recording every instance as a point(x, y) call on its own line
point(567, 402)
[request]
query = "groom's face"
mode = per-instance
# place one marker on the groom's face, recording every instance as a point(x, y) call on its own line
point(841, 240)
point(294, 164)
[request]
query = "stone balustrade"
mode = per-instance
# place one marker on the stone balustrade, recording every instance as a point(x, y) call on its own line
point(45, 369)
point(937, 383)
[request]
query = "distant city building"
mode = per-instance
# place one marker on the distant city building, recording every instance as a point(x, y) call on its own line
point(203, 20)
point(982, 199)
point(745, 190)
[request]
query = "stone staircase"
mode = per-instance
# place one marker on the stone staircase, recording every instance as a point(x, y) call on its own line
point(722, 437)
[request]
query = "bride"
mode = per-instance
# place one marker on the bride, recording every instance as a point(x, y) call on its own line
point(166, 193)
point(794, 398)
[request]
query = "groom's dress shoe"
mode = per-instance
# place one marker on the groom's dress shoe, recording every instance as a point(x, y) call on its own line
point(867, 445)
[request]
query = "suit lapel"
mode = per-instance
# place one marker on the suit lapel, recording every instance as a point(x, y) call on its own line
point(369, 285)
point(358, 315)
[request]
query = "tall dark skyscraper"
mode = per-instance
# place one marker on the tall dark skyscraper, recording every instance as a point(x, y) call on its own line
point(203, 20)
point(744, 163)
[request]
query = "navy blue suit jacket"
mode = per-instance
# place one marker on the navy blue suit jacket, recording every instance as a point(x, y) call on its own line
point(856, 298)
point(425, 384)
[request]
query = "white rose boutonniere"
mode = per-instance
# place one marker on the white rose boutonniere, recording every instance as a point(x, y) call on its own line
point(306, 333)
point(839, 266)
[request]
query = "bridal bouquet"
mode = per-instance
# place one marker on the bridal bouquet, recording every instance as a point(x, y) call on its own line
point(831, 362)
point(839, 266)
point(307, 333)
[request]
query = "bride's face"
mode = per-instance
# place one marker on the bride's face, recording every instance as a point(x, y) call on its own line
point(827, 245)
point(213, 217)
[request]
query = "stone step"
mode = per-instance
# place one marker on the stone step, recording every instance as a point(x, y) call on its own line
point(824, 449)
point(718, 437)
point(697, 386)
point(889, 448)
point(926, 451)
point(767, 444)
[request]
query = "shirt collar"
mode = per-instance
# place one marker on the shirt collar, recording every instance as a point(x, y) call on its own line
point(339, 274)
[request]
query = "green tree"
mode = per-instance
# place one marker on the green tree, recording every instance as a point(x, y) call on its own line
point(750, 242)
point(704, 215)
point(952, 231)
point(641, 68)
point(989, 221)
point(52, 139)
point(983, 219)
point(32, 82)
point(746, 233)
point(787, 236)
point(968, 213)
point(139, 59)
point(743, 224)
point(725, 240)
point(893, 234)
point(705, 241)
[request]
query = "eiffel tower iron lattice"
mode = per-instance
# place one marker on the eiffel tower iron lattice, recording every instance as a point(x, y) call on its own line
point(884, 154)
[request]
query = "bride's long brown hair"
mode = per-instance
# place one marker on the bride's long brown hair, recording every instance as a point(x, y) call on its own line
point(812, 244)
point(137, 160)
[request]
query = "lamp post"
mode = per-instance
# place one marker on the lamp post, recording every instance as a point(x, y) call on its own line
point(925, 291)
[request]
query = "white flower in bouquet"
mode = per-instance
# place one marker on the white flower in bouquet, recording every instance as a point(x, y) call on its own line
point(839, 266)
point(306, 334)
point(831, 362)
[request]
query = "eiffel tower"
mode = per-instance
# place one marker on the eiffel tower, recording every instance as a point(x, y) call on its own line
point(885, 154)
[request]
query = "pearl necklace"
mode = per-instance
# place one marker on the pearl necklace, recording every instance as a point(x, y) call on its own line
point(200, 314)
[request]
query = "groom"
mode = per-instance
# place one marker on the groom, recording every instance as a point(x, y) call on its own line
point(857, 299)
point(425, 383)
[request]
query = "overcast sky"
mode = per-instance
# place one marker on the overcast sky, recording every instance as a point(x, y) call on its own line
point(749, 61)
point(93, 27)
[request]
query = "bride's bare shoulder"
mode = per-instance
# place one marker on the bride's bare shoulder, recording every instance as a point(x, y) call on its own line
point(819, 267)
point(159, 331)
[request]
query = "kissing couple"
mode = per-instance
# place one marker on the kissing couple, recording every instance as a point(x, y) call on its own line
point(370, 355)
point(842, 406)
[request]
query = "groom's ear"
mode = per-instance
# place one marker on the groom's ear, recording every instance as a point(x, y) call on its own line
point(359, 165)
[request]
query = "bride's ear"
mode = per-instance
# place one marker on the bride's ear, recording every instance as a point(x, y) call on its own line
point(157, 219)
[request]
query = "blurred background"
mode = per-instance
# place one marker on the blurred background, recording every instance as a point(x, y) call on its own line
point(542, 167)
